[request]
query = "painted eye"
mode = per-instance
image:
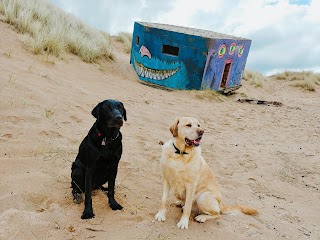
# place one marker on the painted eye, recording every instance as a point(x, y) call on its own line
point(222, 50)
point(232, 48)
point(240, 51)
point(188, 125)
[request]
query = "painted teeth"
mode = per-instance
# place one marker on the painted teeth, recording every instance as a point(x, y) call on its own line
point(152, 73)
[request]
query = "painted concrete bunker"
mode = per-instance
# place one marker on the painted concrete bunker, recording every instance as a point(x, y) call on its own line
point(188, 58)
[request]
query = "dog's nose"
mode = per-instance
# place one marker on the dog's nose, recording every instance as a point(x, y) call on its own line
point(119, 117)
point(200, 132)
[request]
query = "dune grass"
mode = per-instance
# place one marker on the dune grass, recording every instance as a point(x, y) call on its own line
point(126, 39)
point(306, 80)
point(209, 94)
point(49, 30)
point(254, 78)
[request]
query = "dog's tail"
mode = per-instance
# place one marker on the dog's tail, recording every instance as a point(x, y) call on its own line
point(233, 210)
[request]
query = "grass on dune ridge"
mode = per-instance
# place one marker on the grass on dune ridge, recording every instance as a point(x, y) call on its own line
point(254, 78)
point(306, 80)
point(48, 29)
point(126, 39)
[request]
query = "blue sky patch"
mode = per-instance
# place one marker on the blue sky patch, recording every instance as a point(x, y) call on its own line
point(299, 2)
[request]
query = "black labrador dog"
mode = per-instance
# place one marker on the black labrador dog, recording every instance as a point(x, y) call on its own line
point(98, 156)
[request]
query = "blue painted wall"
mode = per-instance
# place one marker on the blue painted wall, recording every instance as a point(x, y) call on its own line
point(194, 67)
point(215, 65)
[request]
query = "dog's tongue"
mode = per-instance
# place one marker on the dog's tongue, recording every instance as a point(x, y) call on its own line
point(194, 142)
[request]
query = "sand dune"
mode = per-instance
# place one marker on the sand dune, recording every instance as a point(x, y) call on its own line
point(264, 156)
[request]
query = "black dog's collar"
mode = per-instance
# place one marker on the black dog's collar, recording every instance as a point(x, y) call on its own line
point(105, 140)
point(178, 151)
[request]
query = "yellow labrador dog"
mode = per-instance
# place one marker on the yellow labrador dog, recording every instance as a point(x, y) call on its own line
point(188, 176)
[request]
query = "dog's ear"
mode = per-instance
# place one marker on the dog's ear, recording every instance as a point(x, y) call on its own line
point(174, 128)
point(124, 112)
point(96, 110)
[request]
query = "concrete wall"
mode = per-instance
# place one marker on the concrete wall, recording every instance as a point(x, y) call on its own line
point(184, 71)
point(198, 64)
point(215, 63)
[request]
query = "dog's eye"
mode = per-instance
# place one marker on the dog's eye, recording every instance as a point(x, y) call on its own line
point(188, 125)
point(198, 125)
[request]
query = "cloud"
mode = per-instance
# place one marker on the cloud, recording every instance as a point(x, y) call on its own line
point(286, 41)
point(273, 49)
point(114, 16)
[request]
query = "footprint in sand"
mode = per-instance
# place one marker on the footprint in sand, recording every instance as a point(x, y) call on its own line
point(5, 137)
point(14, 119)
point(247, 164)
point(50, 133)
point(74, 118)
point(38, 202)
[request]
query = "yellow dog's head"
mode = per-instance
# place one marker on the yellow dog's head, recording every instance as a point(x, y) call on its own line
point(188, 130)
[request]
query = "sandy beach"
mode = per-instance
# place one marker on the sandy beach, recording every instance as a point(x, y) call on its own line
point(264, 156)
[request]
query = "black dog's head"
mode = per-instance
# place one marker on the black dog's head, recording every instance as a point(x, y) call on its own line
point(110, 113)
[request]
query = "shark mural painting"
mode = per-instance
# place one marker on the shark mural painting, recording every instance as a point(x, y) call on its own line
point(157, 58)
point(145, 64)
point(187, 58)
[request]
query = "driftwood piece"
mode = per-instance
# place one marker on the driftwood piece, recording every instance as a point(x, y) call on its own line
point(254, 101)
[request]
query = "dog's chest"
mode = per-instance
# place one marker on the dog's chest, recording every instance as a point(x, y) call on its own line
point(179, 173)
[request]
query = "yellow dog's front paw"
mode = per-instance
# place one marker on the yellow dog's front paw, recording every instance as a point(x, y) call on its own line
point(183, 223)
point(160, 216)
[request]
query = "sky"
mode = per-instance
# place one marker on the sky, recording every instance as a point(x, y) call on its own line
point(284, 33)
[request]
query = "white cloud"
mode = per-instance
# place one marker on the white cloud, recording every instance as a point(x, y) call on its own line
point(183, 11)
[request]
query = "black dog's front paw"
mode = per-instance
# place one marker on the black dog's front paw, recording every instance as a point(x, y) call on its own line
point(115, 206)
point(87, 214)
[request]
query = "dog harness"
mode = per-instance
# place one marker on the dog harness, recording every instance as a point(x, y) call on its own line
point(178, 151)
